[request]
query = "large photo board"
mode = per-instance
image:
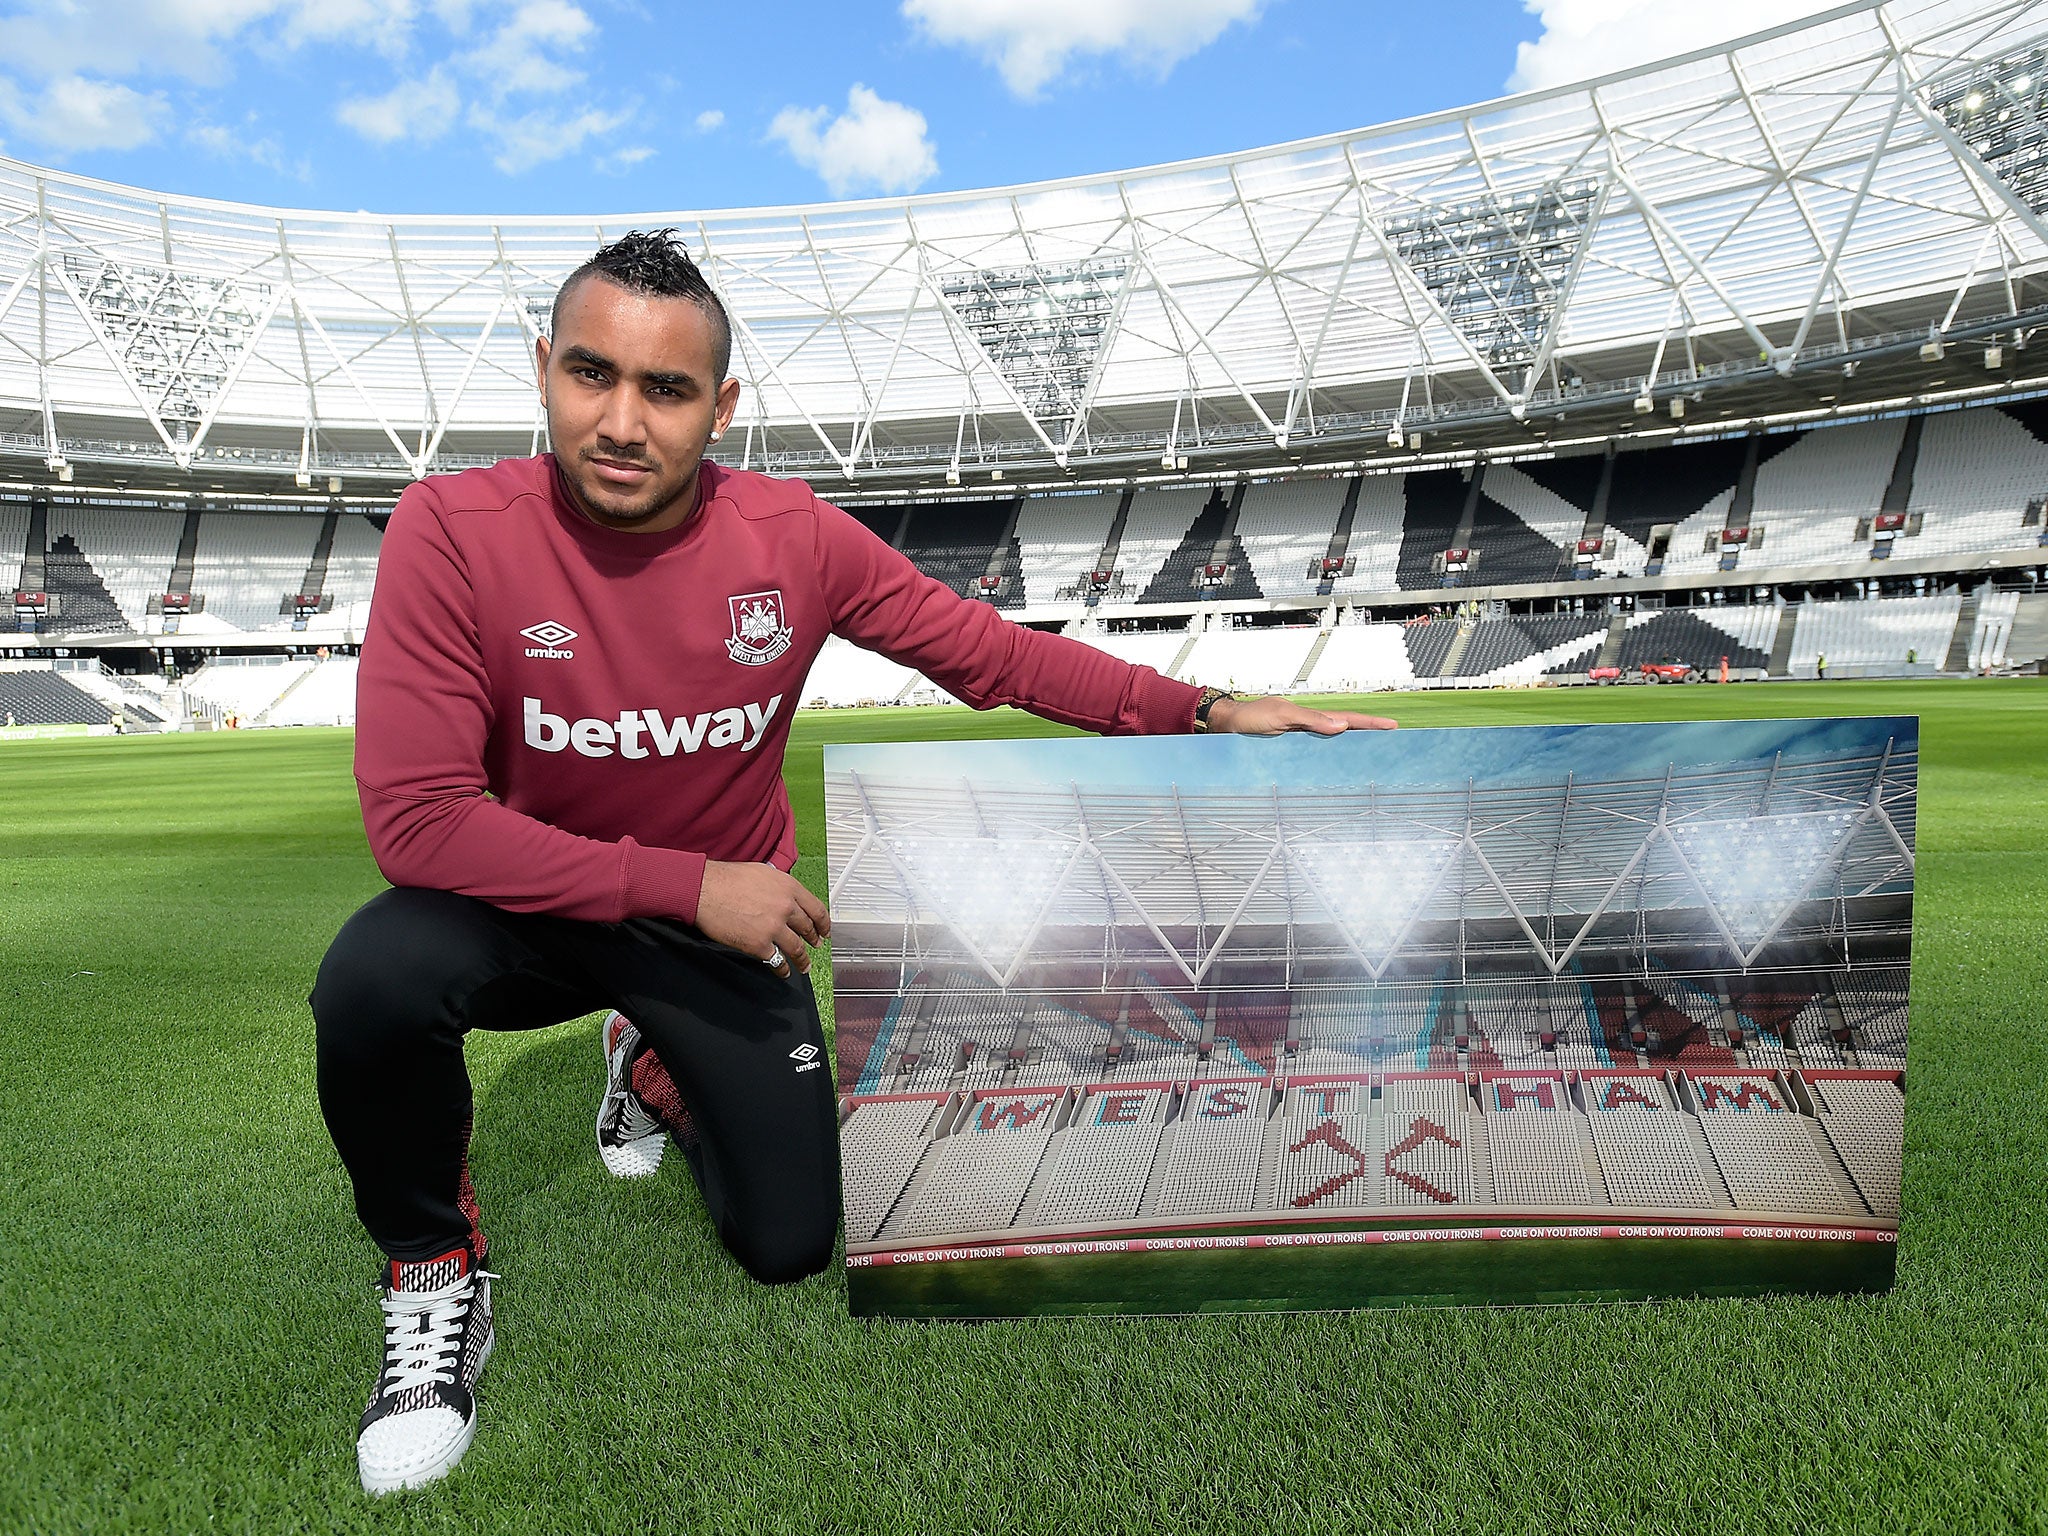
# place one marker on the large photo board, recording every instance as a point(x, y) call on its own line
point(1512, 1014)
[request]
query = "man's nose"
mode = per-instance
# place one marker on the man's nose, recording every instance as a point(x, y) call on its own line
point(623, 425)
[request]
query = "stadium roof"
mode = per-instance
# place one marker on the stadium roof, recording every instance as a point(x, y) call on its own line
point(1558, 868)
point(1741, 221)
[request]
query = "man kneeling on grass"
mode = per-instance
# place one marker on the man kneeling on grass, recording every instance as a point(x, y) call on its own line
point(574, 699)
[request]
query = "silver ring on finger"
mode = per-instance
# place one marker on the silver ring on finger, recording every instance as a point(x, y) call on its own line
point(776, 959)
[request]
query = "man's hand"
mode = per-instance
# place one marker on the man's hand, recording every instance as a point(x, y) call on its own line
point(1272, 716)
point(758, 910)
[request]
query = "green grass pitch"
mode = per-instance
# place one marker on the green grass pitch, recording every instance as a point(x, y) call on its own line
point(189, 1323)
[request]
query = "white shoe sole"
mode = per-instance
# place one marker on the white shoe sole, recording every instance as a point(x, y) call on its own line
point(634, 1159)
point(418, 1477)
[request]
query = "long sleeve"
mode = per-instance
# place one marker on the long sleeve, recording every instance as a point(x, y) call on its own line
point(424, 718)
point(880, 600)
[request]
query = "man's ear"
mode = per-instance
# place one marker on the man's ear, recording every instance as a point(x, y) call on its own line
point(540, 368)
point(728, 404)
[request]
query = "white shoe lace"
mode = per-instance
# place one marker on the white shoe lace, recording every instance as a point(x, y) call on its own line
point(416, 1352)
point(626, 1116)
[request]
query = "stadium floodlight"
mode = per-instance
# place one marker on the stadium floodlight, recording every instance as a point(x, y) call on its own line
point(1644, 404)
point(1754, 870)
point(1932, 351)
point(1496, 267)
point(1375, 888)
point(1994, 109)
point(1043, 326)
point(178, 336)
point(993, 892)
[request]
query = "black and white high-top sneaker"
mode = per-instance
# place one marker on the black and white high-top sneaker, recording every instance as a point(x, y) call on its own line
point(630, 1136)
point(641, 1109)
point(437, 1336)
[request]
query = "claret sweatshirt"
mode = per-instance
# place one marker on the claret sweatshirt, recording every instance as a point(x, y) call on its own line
point(558, 717)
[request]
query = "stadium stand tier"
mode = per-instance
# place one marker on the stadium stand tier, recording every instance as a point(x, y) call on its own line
point(1206, 544)
point(1901, 632)
point(1327, 583)
point(960, 543)
point(1163, 1105)
point(1254, 660)
point(324, 695)
point(247, 563)
point(1060, 539)
point(1284, 529)
point(42, 697)
point(974, 1179)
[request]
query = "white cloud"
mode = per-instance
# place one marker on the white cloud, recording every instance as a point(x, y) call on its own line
point(1585, 38)
point(710, 120)
point(385, 25)
point(524, 54)
point(420, 111)
point(535, 138)
point(186, 38)
point(492, 61)
point(246, 144)
point(622, 160)
point(874, 145)
point(1031, 42)
point(74, 113)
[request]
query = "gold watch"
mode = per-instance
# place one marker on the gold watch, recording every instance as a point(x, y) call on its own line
point(1205, 703)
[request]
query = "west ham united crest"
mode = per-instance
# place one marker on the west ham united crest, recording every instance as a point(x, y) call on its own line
point(758, 633)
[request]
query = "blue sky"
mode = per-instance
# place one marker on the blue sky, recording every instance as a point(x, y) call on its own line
point(607, 106)
point(1500, 755)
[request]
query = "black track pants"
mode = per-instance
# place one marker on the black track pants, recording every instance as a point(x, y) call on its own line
point(414, 971)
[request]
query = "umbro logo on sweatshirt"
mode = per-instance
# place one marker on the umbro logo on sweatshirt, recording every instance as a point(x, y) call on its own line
point(647, 732)
point(547, 638)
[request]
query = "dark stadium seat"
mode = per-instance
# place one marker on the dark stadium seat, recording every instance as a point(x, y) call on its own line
point(1669, 484)
point(45, 698)
point(1428, 645)
point(1175, 581)
point(956, 543)
point(1576, 479)
point(1509, 550)
point(84, 604)
point(1676, 634)
point(1495, 643)
point(1435, 502)
point(2031, 414)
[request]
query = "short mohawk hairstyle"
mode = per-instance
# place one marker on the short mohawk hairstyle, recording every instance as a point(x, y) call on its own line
point(654, 262)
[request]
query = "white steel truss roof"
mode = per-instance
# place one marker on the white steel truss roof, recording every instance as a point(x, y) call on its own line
point(926, 872)
point(1795, 196)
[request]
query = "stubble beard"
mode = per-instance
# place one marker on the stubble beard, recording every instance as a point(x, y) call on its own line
point(650, 504)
